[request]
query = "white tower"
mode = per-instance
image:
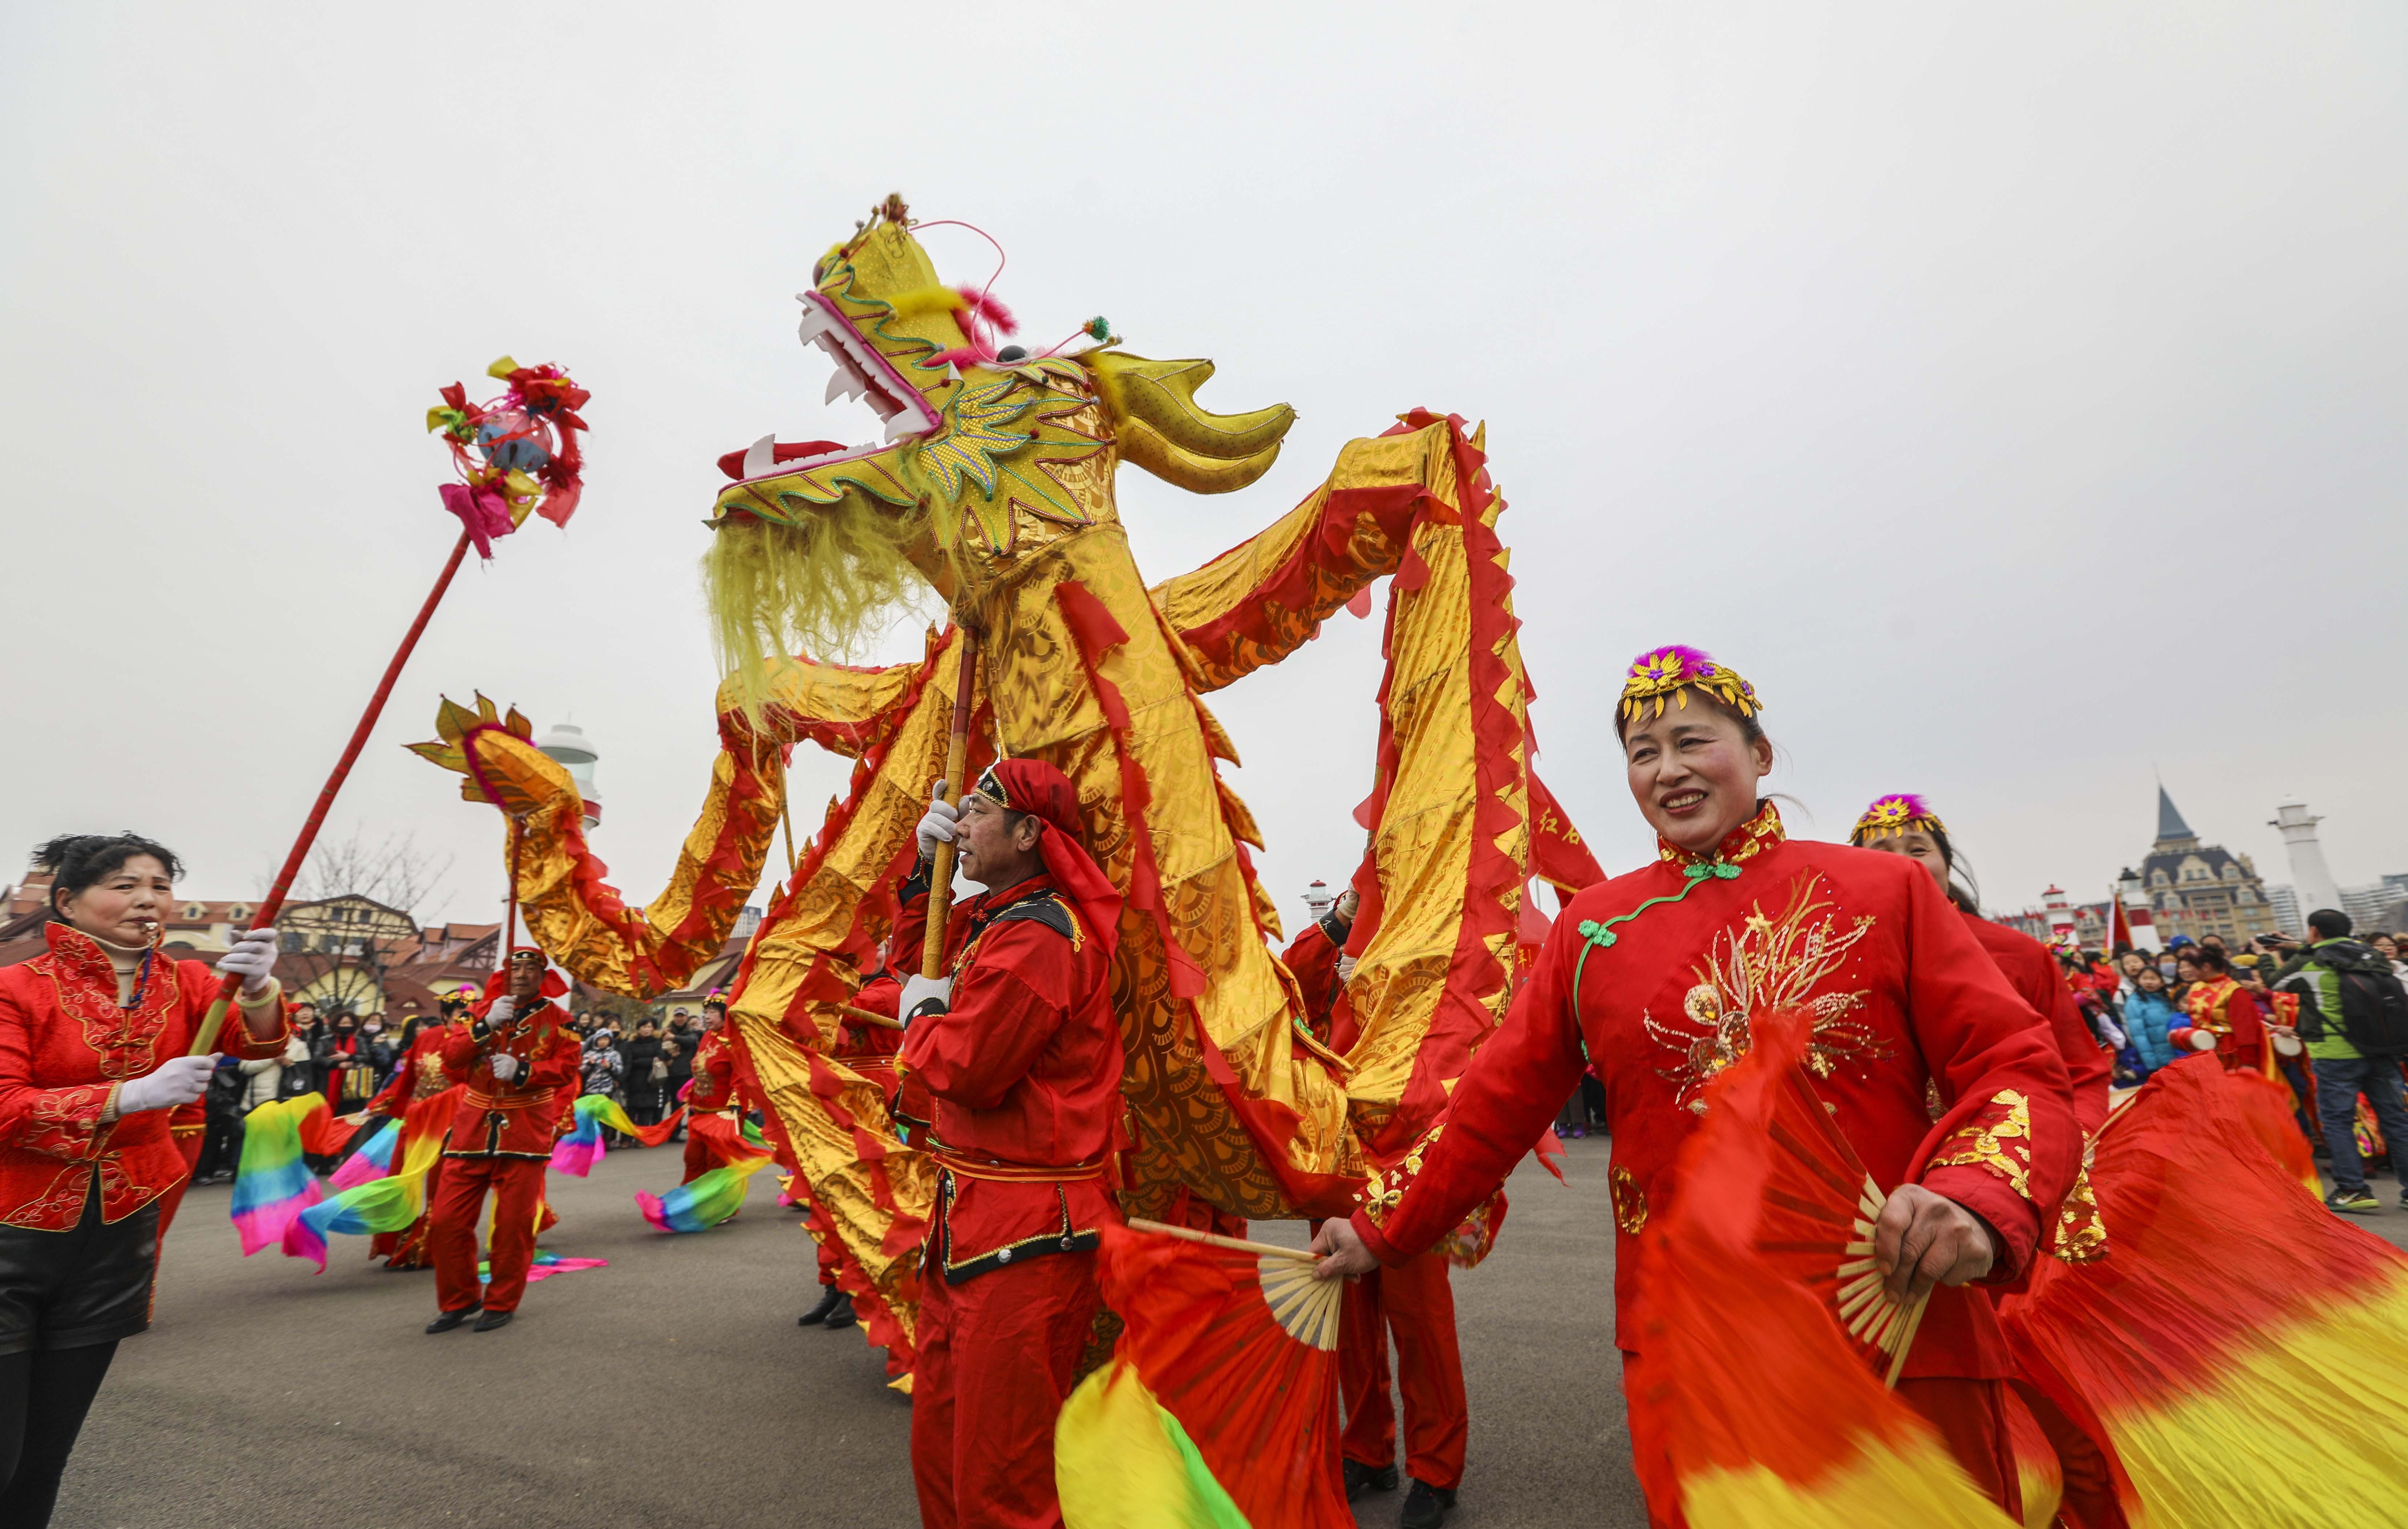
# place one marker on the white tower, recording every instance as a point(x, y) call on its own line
point(2138, 917)
point(2060, 915)
point(2310, 880)
point(566, 746)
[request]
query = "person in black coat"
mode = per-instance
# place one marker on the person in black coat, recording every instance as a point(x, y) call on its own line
point(644, 1091)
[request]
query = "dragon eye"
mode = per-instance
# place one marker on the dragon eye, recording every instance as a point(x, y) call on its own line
point(1011, 353)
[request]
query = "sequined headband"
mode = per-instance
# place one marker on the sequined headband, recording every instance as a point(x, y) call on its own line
point(1900, 812)
point(1666, 672)
point(992, 788)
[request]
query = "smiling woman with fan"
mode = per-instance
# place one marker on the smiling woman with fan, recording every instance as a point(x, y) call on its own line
point(1657, 975)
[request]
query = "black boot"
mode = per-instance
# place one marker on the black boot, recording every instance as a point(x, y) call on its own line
point(1361, 1478)
point(448, 1319)
point(829, 1296)
point(1425, 1507)
point(492, 1320)
point(842, 1314)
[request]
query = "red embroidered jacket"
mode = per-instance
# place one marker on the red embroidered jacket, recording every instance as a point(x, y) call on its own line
point(2040, 982)
point(1656, 974)
point(1024, 1071)
point(2223, 1006)
point(418, 1075)
point(65, 1046)
point(513, 1118)
point(714, 1073)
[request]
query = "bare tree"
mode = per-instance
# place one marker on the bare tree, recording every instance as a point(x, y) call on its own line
point(394, 871)
point(341, 953)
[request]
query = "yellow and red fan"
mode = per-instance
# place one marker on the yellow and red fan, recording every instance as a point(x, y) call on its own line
point(1817, 1226)
point(1220, 1405)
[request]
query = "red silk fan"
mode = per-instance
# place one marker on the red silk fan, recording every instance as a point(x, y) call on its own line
point(1239, 1342)
point(1817, 1227)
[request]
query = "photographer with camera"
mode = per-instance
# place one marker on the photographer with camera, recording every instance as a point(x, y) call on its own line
point(2353, 1023)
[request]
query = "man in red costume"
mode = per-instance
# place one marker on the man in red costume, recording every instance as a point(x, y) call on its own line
point(1021, 1055)
point(1414, 1303)
point(1657, 974)
point(2223, 1008)
point(513, 1056)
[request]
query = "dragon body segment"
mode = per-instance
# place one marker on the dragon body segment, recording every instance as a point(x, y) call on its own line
point(997, 492)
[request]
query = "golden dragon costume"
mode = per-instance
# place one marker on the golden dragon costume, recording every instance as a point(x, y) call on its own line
point(997, 488)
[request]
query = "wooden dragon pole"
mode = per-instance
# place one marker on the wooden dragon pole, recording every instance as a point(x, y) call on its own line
point(957, 756)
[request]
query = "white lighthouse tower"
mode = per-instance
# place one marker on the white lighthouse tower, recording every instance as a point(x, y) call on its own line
point(2060, 916)
point(568, 745)
point(2309, 879)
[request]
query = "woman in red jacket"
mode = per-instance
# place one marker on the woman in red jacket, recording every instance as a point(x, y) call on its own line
point(93, 1036)
point(1901, 824)
point(1657, 975)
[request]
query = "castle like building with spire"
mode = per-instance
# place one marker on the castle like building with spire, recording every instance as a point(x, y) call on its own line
point(2201, 888)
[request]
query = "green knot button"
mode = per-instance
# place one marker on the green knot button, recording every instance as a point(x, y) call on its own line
point(1598, 932)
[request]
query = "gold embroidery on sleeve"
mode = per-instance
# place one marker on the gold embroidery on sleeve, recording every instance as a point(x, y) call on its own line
point(1998, 1137)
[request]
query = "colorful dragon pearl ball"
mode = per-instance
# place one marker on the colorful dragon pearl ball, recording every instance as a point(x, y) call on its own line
point(512, 441)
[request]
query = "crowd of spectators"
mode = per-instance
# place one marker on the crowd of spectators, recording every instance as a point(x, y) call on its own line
point(2307, 1011)
point(350, 1058)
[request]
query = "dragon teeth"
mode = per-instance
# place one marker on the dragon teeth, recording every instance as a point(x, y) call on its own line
point(761, 457)
point(901, 425)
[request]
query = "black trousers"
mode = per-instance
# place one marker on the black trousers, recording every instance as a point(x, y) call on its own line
point(65, 1300)
point(43, 1398)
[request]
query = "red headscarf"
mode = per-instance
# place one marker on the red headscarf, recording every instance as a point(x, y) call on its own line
point(555, 985)
point(1044, 792)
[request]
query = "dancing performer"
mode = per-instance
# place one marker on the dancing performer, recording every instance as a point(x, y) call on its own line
point(2222, 1007)
point(418, 1075)
point(1413, 1303)
point(1902, 825)
point(714, 1123)
point(1021, 1054)
point(514, 1056)
point(93, 1036)
point(1657, 973)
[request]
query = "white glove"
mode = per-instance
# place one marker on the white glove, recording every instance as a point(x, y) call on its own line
point(252, 959)
point(938, 826)
point(506, 1067)
point(499, 1015)
point(179, 1080)
point(925, 990)
point(1345, 968)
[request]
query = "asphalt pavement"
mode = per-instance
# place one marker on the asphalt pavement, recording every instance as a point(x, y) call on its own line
point(673, 1388)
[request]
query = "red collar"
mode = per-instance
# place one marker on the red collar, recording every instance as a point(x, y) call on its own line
point(1739, 846)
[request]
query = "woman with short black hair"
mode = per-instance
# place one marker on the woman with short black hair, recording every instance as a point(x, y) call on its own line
point(93, 1036)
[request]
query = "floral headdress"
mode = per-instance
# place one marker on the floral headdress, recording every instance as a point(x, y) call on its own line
point(1663, 672)
point(1900, 812)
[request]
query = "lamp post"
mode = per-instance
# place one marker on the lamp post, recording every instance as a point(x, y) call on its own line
point(568, 745)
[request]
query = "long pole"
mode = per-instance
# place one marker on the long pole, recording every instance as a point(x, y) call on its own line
point(206, 1041)
point(957, 758)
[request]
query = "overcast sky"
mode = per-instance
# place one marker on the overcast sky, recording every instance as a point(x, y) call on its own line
point(2013, 394)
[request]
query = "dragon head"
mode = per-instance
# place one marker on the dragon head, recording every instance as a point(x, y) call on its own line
point(988, 454)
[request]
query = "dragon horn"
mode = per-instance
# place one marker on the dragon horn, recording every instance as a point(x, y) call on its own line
point(1162, 395)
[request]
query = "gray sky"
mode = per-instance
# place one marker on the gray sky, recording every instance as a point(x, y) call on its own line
point(2014, 394)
